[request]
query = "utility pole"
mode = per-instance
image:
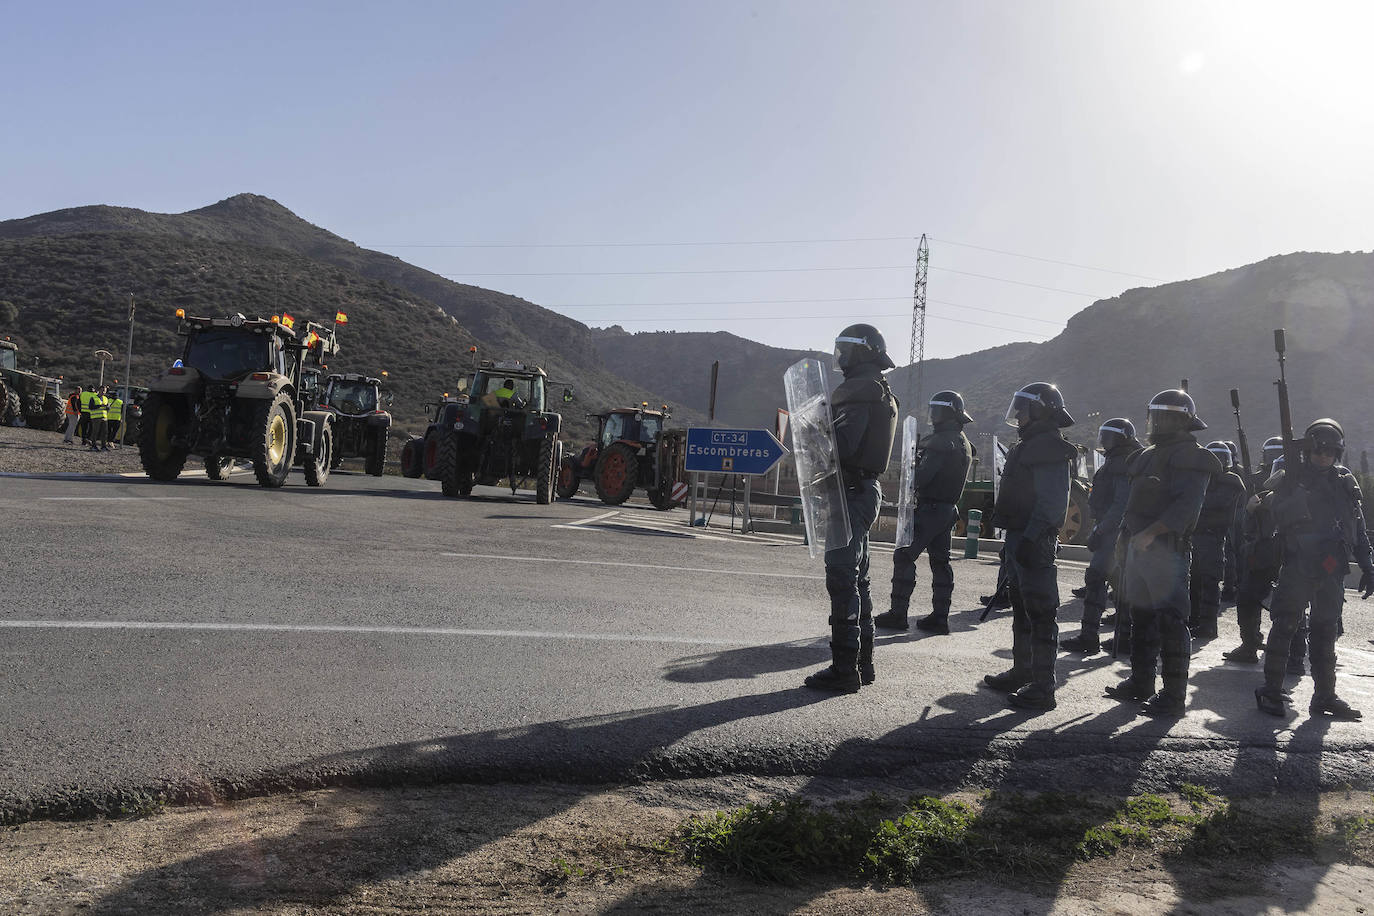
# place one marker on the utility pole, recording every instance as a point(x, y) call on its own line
point(128, 380)
point(918, 328)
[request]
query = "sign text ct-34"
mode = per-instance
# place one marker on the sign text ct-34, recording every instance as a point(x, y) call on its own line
point(732, 451)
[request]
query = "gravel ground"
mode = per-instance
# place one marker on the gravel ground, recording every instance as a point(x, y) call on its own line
point(24, 450)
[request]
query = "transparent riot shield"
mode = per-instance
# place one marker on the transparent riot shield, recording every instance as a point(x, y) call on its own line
point(813, 448)
point(906, 496)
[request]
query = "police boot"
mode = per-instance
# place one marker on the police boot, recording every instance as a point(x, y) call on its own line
point(1174, 651)
point(1167, 704)
point(865, 663)
point(1297, 652)
point(841, 677)
point(1033, 696)
point(1206, 625)
point(995, 602)
point(1080, 592)
point(1132, 690)
point(1086, 643)
point(1008, 681)
point(1328, 704)
point(893, 620)
point(1270, 700)
point(1243, 654)
point(935, 623)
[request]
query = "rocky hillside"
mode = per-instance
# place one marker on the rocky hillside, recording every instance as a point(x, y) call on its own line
point(68, 275)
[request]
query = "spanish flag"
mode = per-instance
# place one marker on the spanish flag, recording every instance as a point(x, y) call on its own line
point(287, 321)
point(340, 318)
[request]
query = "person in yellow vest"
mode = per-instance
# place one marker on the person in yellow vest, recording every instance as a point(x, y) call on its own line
point(73, 413)
point(98, 427)
point(84, 427)
point(114, 415)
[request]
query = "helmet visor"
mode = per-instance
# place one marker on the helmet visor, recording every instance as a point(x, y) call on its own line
point(1108, 436)
point(941, 410)
point(1022, 408)
point(1166, 418)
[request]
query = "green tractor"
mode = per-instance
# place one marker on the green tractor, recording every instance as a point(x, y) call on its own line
point(499, 429)
point(34, 399)
point(361, 425)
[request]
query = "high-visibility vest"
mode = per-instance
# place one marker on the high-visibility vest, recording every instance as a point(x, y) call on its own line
point(506, 393)
point(73, 405)
point(114, 410)
point(98, 407)
point(86, 397)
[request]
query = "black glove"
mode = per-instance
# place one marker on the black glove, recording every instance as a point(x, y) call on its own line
point(1366, 586)
point(1094, 540)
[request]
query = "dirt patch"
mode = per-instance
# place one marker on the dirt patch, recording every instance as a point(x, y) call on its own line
point(569, 849)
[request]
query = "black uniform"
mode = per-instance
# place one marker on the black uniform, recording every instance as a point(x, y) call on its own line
point(1168, 480)
point(945, 456)
point(1032, 500)
point(1107, 500)
point(864, 411)
point(1225, 495)
point(1321, 523)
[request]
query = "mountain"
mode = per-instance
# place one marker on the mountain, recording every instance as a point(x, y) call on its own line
point(1215, 331)
point(69, 275)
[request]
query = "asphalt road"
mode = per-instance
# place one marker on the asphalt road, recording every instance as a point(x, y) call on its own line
point(201, 639)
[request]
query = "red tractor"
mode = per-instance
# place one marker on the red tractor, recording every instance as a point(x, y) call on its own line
point(632, 451)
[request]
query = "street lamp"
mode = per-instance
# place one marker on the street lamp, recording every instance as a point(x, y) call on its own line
point(103, 355)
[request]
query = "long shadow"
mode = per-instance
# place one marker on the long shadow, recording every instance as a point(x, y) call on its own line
point(746, 663)
point(594, 750)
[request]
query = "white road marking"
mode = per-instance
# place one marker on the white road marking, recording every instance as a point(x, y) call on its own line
point(335, 628)
point(588, 521)
point(103, 499)
point(698, 569)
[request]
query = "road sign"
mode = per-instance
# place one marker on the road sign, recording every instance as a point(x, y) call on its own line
point(732, 451)
point(679, 491)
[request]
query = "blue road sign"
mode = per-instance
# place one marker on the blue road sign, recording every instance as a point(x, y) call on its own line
point(732, 451)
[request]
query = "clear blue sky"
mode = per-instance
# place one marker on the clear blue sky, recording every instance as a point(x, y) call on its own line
point(1165, 140)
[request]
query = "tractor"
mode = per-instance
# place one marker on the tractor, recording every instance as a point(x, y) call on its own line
point(27, 396)
point(361, 426)
point(420, 454)
point(498, 429)
point(632, 450)
point(236, 393)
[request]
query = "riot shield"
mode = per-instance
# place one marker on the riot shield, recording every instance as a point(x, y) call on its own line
point(906, 496)
point(818, 467)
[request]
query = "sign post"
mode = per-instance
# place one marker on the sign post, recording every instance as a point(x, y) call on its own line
point(749, 452)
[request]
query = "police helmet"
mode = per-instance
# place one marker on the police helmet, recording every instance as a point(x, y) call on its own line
point(1273, 448)
point(1223, 453)
point(948, 405)
point(1324, 435)
point(859, 344)
point(1173, 410)
point(1235, 452)
point(1038, 400)
point(1114, 432)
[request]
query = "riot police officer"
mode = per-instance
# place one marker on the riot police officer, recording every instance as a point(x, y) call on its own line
point(1225, 495)
point(1258, 559)
point(1317, 509)
point(1168, 481)
point(1031, 504)
point(1107, 500)
point(939, 476)
point(864, 413)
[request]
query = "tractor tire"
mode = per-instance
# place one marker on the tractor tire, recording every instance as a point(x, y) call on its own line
point(317, 466)
point(662, 499)
point(446, 467)
point(568, 481)
point(375, 461)
point(429, 455)
point(274, 449)
point(411, 454)
point(1077, 521)
point(616, 473)
point(549, 453)
point(11, 412)
point(161, 458)
point(219, 468)
point(54, 414)
point(4, 404)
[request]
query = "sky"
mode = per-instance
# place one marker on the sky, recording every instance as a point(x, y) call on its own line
point(764, 168)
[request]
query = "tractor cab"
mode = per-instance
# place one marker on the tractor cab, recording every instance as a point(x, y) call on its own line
point(508, 384)
point(352, 394)
point(9, 355)
point(627, 424)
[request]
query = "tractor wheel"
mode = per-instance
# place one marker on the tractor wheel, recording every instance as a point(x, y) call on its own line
point(549, 454)
point(317, 465)
point(616, 473)
point(218, 468)
point(662, 499)
point(162, 415)
point(12, 409)
point(274, 448)
point(411, 454)
point(566, 486)
point(429, 453)
point(1077, 524)
point(451, 481)
point(4, 404)
point(375, 462)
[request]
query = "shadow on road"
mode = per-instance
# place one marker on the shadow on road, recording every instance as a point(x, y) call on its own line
point(747, 663)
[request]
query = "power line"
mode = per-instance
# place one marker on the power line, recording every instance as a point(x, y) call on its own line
point(645, 305)
point(849, 317)
point(1031, 257)
point(764, 270)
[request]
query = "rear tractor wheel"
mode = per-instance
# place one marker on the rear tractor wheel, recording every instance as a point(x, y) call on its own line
point(412, 457)
point(275, 446)
point(616, 472)
point(375, 462)
point(163, 417)
point(566, 486)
